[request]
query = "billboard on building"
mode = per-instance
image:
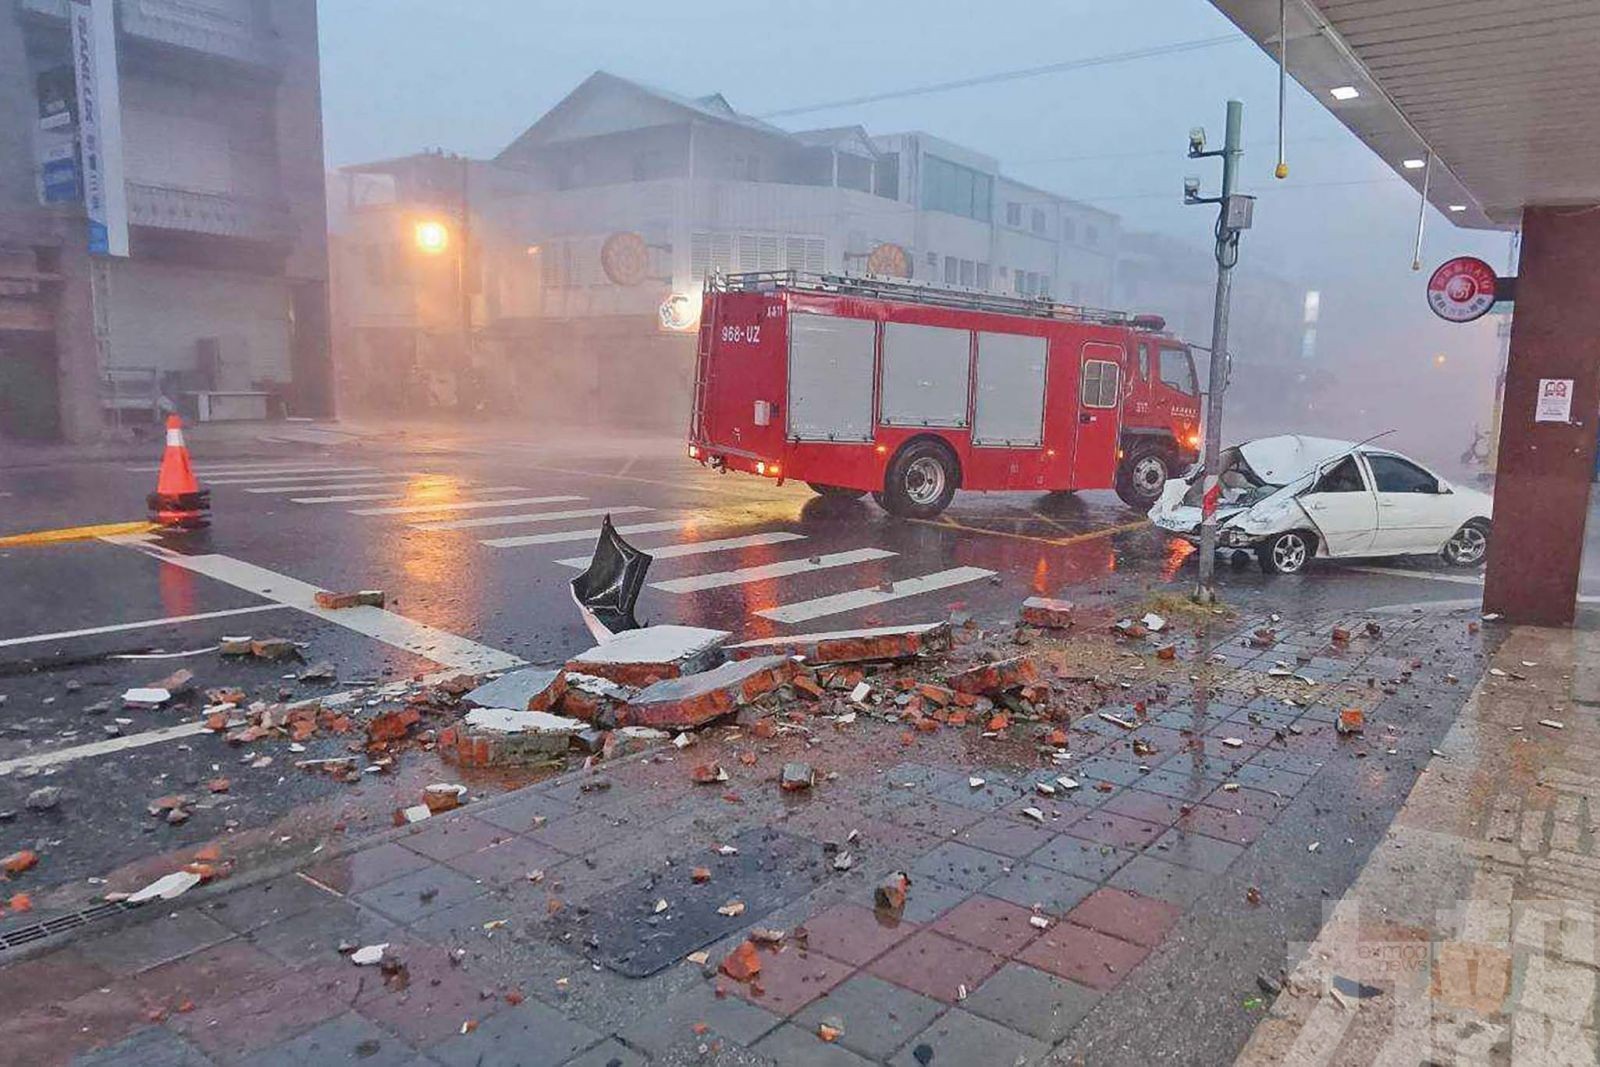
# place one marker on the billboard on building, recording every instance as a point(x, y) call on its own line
point(94, 62)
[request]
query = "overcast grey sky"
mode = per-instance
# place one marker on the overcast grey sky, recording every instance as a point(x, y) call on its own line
point(469, 75)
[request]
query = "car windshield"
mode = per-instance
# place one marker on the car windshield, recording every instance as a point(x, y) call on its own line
point(1241, 485)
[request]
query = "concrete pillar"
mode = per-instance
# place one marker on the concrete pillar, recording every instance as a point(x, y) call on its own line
point(1544, 468)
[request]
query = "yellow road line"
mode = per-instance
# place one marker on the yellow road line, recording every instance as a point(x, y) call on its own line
point(951, 524)
point(76, 533)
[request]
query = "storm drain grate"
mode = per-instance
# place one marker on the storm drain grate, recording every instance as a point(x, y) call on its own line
point(18, 936)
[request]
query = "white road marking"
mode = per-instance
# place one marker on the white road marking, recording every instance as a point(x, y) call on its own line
point(351, 498)
point(41, 760)
point(335, 474)
point(442, 647)
point(464, 505)
point(861, 598)
point(310, 487)
point(171, 620)
point(533, 516)
point(246, 468)
point(695, 548)
point(277, 472)
point(1432, 576)
point(783, 568)
point(579, 535)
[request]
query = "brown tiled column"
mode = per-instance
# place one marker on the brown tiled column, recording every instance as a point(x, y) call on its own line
point(1542, 479)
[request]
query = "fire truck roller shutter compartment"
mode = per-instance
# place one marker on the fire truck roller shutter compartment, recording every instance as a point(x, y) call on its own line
point(1011, 383)
point(830, 378)
point(925, 374)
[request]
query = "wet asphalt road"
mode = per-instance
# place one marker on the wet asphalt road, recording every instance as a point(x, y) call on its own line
point(276, 521)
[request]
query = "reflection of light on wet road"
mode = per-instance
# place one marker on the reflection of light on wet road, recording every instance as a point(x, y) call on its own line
point(1178, 550)
point(177, 586)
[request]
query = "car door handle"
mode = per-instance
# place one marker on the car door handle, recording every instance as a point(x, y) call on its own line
point(1386, 503)
point(1316, 507)
point(1084, 416)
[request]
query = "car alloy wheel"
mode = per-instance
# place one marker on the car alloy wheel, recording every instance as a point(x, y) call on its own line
point(1467, 547)
point(1289, 553)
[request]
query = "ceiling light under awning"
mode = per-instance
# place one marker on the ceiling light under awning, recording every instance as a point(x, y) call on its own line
point(1344, 92)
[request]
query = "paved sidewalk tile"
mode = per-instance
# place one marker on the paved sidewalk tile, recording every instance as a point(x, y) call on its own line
point(452, 835)
point(959, 865)
point(154, 1046)
point(412, 896)
point(143, 945)
point(526, 811)
point(985, 922)
point(212, 976)
point(267, 902)
point(528, 1035)
point(1153, 877)
point(791, 1046)
point(364, 868)
point(1032, 885)
point(314, 936)
point(608, 1053)
point(936, 966)
point(674, 1021)
point(877, 1016)
point(1199, 851)
point(930, 898)
point(1005, 834)
point(1032, 1001)
point(1081, 858)
point(1129, 916)
point(1119, 831)
point(50, 979)
point(259, 1017)
point(1086, 956)
point(347, 1038)
point(961, 1037)
point(855, 934)
point(790, 979)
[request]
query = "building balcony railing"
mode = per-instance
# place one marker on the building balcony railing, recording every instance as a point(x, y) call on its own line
point(208, 30)
point(163, 207)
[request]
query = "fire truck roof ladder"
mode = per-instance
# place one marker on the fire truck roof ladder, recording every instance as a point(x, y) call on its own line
point(910, 292)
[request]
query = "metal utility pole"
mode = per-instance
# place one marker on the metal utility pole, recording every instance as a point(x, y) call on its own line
point(1233, 216)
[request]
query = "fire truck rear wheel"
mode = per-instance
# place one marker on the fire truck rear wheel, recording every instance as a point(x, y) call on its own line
point(920, 481)
point(1143, 473)
point(836, 492)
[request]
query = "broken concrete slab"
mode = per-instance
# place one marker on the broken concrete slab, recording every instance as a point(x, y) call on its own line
point(593, 699)
point(990, 678)
point(652, 654)
point(145, 697)
point(1047, 612)
point(507, 736)
point(535, 689)
point(851, 646)
point(696, 699)
point(368, 598)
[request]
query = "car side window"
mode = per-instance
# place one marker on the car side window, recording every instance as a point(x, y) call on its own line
point(1343, 477)
point(1144, 363)
point(1395, 475)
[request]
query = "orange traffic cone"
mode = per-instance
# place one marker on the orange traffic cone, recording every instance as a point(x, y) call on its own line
point(178, 500)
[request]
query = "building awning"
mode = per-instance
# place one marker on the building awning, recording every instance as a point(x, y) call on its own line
point(1504, 94)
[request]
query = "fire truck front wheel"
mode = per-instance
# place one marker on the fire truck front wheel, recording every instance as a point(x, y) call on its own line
point(1142, 475)
point(836, 492)
point(920, 481)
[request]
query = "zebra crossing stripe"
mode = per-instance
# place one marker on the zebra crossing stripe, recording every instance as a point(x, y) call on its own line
point(695, 548)
point(310, 487)
point(780, 569)
point(579, 535)
point(347, 498)
point(861, 598)
point(464, 505)
point(532, 516)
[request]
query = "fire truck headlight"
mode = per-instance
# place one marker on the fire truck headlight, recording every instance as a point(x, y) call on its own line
point(694, 451)
point(761, 466)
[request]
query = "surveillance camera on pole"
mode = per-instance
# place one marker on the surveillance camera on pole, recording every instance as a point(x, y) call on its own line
point(1234, 215)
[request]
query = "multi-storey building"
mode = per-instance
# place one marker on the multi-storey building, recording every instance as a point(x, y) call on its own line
point(194, 275)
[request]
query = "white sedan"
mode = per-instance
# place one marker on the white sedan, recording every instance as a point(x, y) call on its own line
point(1290, 499)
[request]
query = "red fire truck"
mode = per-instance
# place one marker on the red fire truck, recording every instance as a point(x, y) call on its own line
point(909, 392)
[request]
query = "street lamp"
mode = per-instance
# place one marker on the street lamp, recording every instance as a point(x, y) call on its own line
point(432, 237)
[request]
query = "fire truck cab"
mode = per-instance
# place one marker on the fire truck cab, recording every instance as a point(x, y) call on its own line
point(909, 392)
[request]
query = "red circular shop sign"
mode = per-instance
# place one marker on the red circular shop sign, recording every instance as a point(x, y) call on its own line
point(625, 258)
point(1462, 289)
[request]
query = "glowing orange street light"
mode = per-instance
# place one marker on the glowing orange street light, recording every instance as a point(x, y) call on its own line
point(432, 237)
